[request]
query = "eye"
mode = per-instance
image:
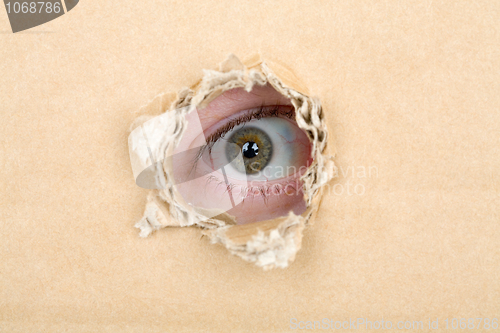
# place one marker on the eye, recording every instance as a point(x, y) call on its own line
point(271, 148)
point(252, 151)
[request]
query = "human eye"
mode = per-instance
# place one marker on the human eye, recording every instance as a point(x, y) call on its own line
point(246, 156)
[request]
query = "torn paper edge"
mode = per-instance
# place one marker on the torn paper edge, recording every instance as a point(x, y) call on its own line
point(166, 208)
point(275, 247)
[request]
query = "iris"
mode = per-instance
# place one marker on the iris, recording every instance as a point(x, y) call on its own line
point(255, 146)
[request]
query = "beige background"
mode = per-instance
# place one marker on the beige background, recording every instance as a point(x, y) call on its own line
point(409, 87)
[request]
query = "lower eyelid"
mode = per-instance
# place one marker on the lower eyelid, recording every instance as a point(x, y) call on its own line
point(256, 188)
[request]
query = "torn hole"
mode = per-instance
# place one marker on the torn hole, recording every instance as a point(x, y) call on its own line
point(241, 154)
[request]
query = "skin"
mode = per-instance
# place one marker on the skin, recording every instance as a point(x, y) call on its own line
point(232, 101)
point(212, 192)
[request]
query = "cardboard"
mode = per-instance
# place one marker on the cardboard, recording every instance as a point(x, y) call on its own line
point(408, 232)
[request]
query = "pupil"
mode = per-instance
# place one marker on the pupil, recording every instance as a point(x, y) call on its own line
point(250, 149)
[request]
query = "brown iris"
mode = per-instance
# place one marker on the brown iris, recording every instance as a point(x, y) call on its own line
point(255, 147)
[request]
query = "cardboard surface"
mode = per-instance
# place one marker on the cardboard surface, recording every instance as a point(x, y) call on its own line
point(410, 90)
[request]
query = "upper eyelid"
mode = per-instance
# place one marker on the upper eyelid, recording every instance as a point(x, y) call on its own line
point(233, 101)
point(258, 113)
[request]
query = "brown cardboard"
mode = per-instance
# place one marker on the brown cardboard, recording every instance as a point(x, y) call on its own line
point(410, 94)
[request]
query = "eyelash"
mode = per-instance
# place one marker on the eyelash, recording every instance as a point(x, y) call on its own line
point(263, 112)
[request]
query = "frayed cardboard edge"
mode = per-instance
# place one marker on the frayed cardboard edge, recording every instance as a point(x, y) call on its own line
point(268, 244)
